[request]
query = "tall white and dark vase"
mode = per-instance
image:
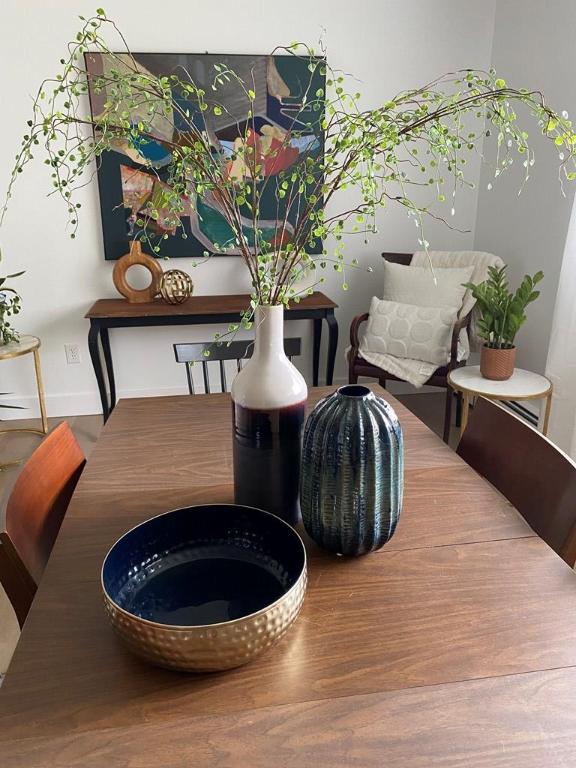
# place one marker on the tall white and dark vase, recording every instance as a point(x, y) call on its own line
point(268, 401)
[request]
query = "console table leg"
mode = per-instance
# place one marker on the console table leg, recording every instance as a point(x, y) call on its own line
point(332, 346)
point(93, 335)
point(105, 338)
point(316, 351)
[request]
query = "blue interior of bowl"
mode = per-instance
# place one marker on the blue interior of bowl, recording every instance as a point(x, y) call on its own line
point(203, 565)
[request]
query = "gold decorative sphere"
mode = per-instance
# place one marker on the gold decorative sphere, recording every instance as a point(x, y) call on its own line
point(176, 286)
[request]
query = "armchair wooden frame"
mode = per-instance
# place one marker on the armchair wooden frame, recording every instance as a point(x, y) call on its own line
point(357, 366)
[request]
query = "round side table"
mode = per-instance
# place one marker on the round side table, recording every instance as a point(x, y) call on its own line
point(522, 385)
point(25, 346)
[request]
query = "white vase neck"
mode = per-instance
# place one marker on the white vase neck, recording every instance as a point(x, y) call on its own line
point(269, 331)
point(269, 380)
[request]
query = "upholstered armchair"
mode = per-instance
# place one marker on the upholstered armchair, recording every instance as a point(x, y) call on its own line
point(357, 366)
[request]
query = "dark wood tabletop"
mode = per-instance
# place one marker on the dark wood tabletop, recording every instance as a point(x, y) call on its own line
point(455, 645)
point(195, 305)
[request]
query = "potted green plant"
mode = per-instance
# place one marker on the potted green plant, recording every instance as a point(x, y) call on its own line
point(502, 313)
point(10, 304)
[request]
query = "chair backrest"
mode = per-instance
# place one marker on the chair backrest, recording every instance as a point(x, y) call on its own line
point(528, 469)
point(398, 258)
point(34, 513)
point(234, 350)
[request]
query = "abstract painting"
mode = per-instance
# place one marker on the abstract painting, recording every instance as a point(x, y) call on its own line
point(131, 178)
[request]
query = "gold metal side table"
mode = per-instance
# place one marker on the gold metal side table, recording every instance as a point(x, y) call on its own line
point(522, 385)
point(28, 345)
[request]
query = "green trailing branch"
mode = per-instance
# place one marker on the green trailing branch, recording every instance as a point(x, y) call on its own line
point(502, 312)
point(413, 144)
point(10, 304)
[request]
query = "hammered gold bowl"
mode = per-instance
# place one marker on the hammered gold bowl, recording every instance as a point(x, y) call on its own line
point(205, 588)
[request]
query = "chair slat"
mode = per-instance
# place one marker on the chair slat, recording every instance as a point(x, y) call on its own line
point(206, 377)
point(222, 377)
point(190, 378)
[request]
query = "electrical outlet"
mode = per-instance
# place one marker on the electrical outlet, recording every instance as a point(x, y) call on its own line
point(73, 356)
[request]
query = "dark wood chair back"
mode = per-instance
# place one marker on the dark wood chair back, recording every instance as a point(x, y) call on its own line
point(189, 354)
point(529, 470)
point(398, 258)
point(34, 513)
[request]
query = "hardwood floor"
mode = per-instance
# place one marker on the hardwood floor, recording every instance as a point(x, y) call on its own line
point(428, 407)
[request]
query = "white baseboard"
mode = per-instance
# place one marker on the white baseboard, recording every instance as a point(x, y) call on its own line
point(75, 403)
point(86, 403)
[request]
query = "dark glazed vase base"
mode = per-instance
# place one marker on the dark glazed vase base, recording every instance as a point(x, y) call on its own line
point(267, 448)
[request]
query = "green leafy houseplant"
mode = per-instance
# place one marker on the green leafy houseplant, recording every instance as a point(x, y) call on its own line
point(415, 142)
point(502, 314)
point(10, 304)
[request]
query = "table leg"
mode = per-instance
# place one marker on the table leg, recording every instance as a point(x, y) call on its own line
point(465, 411)
point(332, 346)
point(105, 338)
point(458, 409)
point(316, 350)
point(547, 410)
point(41, 393)
point(93, 335)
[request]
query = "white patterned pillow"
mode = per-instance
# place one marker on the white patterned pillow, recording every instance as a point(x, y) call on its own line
point(416, 285)
point(409, 331)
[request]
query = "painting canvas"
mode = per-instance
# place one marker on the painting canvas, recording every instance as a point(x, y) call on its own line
point(283, 130)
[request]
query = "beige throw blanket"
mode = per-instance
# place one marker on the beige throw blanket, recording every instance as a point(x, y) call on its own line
point(417, 372)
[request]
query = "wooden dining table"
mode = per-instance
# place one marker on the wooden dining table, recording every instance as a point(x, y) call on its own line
point(454, 645)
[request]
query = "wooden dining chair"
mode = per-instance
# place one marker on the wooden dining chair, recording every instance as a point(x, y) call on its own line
point(357, 366)
point(34, 513)
point(528, 469)
point(190, 353)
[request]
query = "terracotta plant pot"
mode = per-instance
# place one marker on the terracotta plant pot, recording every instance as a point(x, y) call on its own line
point(497, 364)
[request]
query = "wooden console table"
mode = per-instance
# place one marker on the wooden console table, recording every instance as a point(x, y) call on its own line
point(197, 310)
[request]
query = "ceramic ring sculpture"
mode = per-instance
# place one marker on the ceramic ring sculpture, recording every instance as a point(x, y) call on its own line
point(136, 256)
point(205, 588)
point(352, 472)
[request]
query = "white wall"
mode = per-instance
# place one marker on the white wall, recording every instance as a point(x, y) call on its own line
point(388, 45)
point(533, 47)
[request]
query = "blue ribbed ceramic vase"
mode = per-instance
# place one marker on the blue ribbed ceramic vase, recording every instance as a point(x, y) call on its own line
point(352, 475)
